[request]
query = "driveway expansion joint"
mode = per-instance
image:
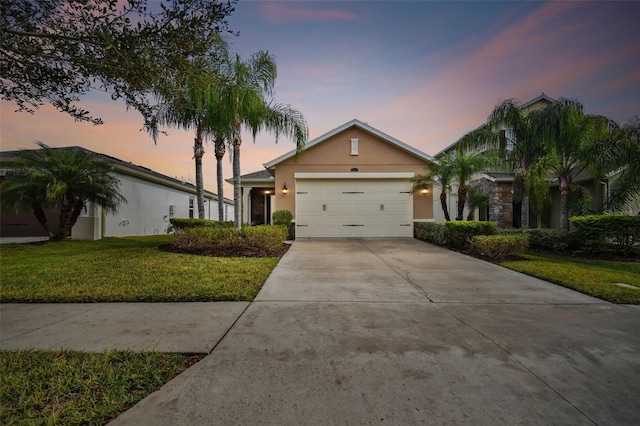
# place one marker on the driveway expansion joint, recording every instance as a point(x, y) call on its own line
point(517, 360)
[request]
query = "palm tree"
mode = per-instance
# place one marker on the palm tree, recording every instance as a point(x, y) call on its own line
point(476, 198)
point(244, 104)
point(619, 156)
point(66, 178)
point(192, 109)
point(572, 141)
point(519, 147)
point(464, 166)
point(220, 149)
point(538, 188)
point(440, 173)
point(20, 193)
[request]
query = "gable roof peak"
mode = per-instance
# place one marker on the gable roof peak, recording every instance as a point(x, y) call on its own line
point(363, 126)
point(542, 97)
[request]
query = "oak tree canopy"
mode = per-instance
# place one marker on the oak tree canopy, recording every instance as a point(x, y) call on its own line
point(56, 51)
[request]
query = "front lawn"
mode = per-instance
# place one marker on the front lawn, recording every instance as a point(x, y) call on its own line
point(70, 387)
point(598, 278)
point(130, 269)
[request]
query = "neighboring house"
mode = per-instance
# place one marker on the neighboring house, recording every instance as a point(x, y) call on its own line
point(152, 200)
point(353, 181)
point(498, 183)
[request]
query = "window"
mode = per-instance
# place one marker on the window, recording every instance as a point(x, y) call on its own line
point(354, 146)
point(191, 206)
point(510, 140)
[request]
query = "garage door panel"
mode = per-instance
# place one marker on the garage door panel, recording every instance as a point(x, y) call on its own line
point(353, 208)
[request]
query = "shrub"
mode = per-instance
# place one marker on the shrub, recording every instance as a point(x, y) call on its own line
point(186, 223)
point(282, 217)
point(499, 247)
point(209, 239)
point(552, 239)
point(510, 231)
point(431, 232)
point(602, 230)
point(460, 233)
point(265, 235)
point(203, 236)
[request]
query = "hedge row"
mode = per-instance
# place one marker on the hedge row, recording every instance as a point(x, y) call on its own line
point(601, 230)
point(204, 236)
point(186, 223)
point(456, 235)
point(594, 233)
point(547, 239)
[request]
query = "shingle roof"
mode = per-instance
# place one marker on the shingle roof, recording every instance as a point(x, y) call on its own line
point(7, 156)
point(262, 175)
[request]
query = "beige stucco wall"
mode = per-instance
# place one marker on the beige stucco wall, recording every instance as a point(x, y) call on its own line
point(333, 155)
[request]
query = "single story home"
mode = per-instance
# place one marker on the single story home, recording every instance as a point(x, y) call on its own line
point(353, 181)
point(152, 200)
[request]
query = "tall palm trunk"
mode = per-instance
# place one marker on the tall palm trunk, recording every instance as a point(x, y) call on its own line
point(78, 206)
point(565, 186)
point(220, 151)
point(66, 209)
point(237, 195)
point(443, 203)
point(38, 211)
point(198, 153)
point(524, 199)
point(462, 200)
point(471, 215)
point(524, 211)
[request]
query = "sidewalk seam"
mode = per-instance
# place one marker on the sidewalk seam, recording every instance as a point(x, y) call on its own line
point(229, 329)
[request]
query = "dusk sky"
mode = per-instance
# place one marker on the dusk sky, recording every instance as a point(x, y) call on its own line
point(423, 72)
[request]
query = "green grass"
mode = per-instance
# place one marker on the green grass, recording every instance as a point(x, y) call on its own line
point(589, 276)
point(130, 269)
point(69, 387)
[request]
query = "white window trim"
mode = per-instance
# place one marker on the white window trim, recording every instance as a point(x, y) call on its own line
point(354, 146)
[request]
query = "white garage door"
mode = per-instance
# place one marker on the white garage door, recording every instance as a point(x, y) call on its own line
point(354, 208)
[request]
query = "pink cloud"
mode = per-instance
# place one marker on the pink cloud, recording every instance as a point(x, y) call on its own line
point(545, 51)
point(278, 12)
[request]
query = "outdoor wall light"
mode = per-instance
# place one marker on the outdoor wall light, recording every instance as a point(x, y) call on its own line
point(424, 191)
point(285, 189)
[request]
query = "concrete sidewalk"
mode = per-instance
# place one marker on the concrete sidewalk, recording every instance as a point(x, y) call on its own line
point(95, 327)
point(402, 332)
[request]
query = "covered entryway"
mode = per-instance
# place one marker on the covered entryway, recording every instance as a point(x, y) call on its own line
point(344, 205)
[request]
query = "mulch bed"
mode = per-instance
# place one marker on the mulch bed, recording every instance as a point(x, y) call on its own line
point(511, 258)
point(610, 256)
point(230, 250)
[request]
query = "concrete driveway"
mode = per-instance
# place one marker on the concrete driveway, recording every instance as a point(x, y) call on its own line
point(402, 332)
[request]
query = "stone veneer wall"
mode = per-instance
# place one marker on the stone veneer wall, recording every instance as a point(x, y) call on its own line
point(504, 211)
point(501, 201)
